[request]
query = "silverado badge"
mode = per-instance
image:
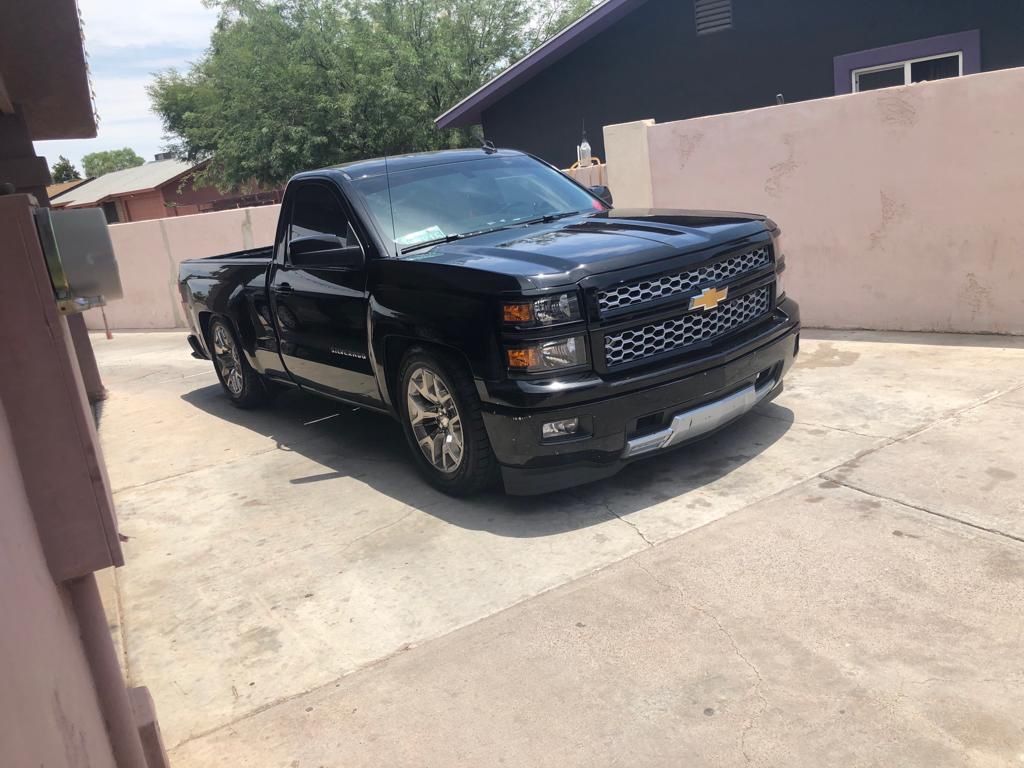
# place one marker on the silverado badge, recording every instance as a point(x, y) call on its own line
point(709, 298)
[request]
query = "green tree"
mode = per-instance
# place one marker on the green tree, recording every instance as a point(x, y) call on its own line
point(64, 170)
point(555, 15)
point(99, 163)
point(288, 85)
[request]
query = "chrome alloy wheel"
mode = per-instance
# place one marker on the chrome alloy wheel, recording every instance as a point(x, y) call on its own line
point(435, 420)
point(228, 361)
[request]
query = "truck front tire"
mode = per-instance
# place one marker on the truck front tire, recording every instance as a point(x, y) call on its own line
point(443, 424)
point(243, 385)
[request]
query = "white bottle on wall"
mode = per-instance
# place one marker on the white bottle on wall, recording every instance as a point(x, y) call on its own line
point(583, 152)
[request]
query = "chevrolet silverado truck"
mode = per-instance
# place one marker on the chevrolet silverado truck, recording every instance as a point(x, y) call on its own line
point(517, 326)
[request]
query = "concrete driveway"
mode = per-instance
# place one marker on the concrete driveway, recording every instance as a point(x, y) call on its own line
point(838, 579)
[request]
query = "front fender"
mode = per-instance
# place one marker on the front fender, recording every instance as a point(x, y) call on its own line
point(460, 325)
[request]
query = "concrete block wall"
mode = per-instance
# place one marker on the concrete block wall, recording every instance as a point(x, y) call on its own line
point(900, 208)
point(149, 252)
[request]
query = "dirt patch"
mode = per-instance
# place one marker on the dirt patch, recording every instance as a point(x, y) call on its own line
point(825, 355)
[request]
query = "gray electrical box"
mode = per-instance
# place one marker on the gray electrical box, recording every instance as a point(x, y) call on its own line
point(79, 256)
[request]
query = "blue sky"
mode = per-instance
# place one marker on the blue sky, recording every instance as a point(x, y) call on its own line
point(127, 41)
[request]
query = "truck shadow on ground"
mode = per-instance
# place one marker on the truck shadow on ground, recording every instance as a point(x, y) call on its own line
point(370, 448)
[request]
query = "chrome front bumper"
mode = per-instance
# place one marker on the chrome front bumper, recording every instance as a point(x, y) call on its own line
point(701, 420)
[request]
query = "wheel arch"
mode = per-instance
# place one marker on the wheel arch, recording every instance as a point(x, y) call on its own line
point(395, 348)
point(206, 319)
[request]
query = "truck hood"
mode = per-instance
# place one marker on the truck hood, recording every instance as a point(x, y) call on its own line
point(568, 250)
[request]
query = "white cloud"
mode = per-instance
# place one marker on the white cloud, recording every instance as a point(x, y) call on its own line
point(121, 98)
point(140, 23)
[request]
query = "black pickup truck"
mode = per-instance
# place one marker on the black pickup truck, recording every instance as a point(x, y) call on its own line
point(516, 325)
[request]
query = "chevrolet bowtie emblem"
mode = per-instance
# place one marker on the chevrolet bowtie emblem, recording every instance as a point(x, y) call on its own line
point(709, 299)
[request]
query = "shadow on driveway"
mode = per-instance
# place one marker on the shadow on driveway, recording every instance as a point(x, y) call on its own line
point(370, 447)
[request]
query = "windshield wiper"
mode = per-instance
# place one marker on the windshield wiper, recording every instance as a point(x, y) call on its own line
point(436, 241)
point(546, 218)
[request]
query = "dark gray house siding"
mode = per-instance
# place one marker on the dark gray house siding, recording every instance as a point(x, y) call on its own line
point(652, 63)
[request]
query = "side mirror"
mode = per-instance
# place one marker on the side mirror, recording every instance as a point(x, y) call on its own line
point(324, 250)
point(602, 192)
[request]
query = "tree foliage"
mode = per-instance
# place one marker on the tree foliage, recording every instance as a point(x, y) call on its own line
point(64, 170)
point(288, 85)
point(99, 163)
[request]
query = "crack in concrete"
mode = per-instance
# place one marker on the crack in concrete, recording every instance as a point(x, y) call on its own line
point(815, 425)
point(911, 433)
point(176, 475)
point(279, 446)
point(608, 507)
point(943, 515)
point(759, 681)
point(409, 510)
point(827, 474)
point(289, 552)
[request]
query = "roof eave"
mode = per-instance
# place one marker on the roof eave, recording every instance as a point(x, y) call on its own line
point(43, 68)
point(469, 111)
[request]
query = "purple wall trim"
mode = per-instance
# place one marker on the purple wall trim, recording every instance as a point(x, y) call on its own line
point(968, 42)
point(468, 111)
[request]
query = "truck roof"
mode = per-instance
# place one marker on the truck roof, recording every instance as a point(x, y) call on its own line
point(375, 166)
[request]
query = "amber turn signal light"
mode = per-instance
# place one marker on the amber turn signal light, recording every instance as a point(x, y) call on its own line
point(517, 313)
point(523, 359)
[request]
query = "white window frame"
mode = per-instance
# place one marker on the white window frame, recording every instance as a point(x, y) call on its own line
point(856, 73)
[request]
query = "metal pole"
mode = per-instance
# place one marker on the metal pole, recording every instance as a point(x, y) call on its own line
point(106, 327)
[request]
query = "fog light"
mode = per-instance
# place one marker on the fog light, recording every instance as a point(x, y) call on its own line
point(560, 428)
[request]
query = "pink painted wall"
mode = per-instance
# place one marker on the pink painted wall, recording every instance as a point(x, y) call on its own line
point(900, 207)
point(63, 700)
point(149, 252)
point(49, 712)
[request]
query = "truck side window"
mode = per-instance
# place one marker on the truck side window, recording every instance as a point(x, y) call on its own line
point(320, 232)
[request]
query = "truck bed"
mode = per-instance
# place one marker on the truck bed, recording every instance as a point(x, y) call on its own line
point(262, 255)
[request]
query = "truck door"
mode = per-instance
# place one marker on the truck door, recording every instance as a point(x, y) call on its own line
point(318, 295)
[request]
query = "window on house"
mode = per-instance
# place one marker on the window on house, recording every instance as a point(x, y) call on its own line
point(712, 15)
point(110, 211)
point(910, 71)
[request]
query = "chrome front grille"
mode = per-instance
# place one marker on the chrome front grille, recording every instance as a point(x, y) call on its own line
point(680, 332)
point(648, 290)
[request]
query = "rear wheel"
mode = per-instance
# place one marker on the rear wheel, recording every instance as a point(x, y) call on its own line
point(443, 423)
point(243, 385)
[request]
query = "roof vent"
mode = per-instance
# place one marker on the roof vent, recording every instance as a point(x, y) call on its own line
point(163, 156)
point(712, 15)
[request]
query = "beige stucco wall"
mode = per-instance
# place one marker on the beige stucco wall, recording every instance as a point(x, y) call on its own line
point(590, 175)
point(900, 207)
point(629, 177)
point(149, 252)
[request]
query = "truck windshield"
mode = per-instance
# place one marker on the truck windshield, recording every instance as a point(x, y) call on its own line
point(444, 202)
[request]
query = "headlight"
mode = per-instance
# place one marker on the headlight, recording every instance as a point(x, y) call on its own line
point(780, 282)
point(548, 355)
point(780, 265)
point(547, 310)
